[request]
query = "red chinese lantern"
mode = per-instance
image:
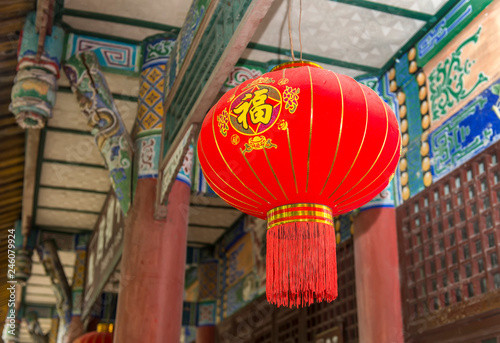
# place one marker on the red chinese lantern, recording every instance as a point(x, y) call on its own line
point(298, 146)
point(95, 337)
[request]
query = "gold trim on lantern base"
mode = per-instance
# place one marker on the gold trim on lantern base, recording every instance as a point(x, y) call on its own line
point(296, 64)
point(303, 212)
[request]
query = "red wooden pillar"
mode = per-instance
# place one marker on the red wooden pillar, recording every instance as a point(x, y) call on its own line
point(377, 276)
point(154, 252)
point(153, 263)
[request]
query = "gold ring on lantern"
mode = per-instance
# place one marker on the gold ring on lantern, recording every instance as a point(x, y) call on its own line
point(297, 64)
point(299, 213)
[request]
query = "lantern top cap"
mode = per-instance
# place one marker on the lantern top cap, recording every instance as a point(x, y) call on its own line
point(295, 64)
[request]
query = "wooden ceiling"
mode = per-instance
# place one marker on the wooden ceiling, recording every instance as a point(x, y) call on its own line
point(12, 17)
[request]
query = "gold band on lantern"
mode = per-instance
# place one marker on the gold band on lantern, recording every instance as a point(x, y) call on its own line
point(299, 213)
point(296, 64)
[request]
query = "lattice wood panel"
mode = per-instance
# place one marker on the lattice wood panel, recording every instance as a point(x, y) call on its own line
point(449, 244)
point(288, 327)
point(263, 323)
point(324, 316)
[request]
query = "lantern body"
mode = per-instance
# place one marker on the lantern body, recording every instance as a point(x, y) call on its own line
point(328, 140)
point(95, 337)
point(299, 145)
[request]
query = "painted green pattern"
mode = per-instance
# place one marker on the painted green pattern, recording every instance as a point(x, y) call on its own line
point(447, 28)
point(216, 37)
point(446, 81)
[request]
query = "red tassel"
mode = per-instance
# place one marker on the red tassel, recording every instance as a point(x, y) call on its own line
point(301, 264)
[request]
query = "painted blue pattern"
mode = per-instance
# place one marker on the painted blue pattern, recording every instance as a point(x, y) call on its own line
point(471, 130)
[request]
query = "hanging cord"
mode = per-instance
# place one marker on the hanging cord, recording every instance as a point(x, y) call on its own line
point(300, 31)
point(290, 28)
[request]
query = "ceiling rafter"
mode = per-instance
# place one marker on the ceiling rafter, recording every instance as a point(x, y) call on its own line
point(73, 189)
point(64, 130)
point(51, 208)
point(11, 186)
point(69, 29)
point(38, 173)
point(173, 30)
point(74, 164)
point(419, 35)
point(399, 11)
point(116, 96)
point(313, 58)
point(62, 229)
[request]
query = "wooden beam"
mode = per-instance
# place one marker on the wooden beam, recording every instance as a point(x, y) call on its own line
point(14, 152)
point(240, 38)
point(11, 25)
point(9, 217)
point(5, 89)
point(11, 178)
point(30, 170)
point(8, 48)
point(53, 267)
point(7, 79)
point(8, 65)
point(4, 108)
point(11, 143)
point(14, 207)
point(12, 130)
point(11, 194)
point(9, 201)
point(399, 11)
point(16, 8)
point(173, 30)
point(7, 162)
point(11, 171)
point(7, 120)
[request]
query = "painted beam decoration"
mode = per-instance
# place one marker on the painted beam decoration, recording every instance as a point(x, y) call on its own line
point(116, 57)
point(77, 286)
point(384, 87)
point(98, 107)
point(184, 39)
point(471, 130)
point(445, 93)
point(179, 165)
point(149, 121)
point(243, 72)
point(207, 296)
point(104, 251)
point(446, 29)
point(35, 86)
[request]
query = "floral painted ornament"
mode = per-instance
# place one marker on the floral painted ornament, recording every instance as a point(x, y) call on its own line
point(298, 146)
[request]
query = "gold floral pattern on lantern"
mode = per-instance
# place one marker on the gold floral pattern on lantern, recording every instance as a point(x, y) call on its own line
point(291, 98)
point(222, 120)
point(283, 81)
point(259, 81)
point(235, 139)
point(282, 125)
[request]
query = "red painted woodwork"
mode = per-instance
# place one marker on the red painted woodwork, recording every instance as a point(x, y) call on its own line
point(153, 267)
point(205, 334)
point(377, 276)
